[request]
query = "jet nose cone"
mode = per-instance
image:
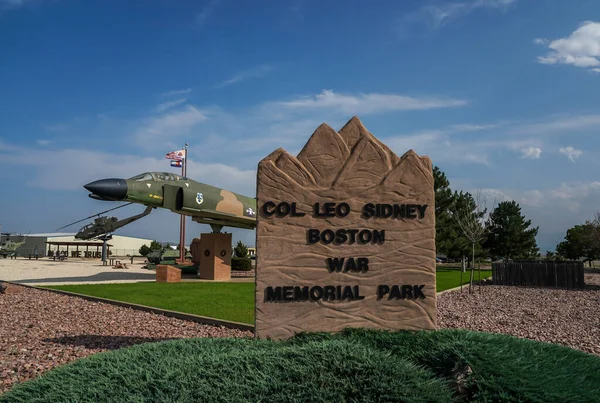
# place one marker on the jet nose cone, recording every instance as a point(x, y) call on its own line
point(108, 189)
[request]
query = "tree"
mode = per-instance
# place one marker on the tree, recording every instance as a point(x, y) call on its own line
point(469, 214)
point(443, 220)
point(508, 233)
point(144, 250)
point(582, 241)
point(240, 250)
point(155, 245)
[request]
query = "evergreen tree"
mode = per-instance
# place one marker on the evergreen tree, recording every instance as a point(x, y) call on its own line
point(509, 233)
point(155, 245)
point(144, 250)
point(240, 250)
point(444, 224)
point(582, 241)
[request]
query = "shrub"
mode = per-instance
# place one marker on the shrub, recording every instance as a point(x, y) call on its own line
point(144, 250)
point(241, 263)
point(240, 250)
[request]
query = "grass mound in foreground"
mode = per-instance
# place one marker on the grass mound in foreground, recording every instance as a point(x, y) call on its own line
point(356, 365)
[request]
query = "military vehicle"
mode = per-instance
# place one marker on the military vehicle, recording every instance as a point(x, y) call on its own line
point(165, 256)
point(8, 246)
point(106, 225)
point(206, 204)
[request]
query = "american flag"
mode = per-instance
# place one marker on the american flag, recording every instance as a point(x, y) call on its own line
point(176, 155)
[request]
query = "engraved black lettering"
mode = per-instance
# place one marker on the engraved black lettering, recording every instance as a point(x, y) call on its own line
point(301, 293)
point(411, 211)
point(329, 293)
point(382, 290)
point(327, 236)
point(365, 236)
point(362, 264)
point(283, 209)
point(368, 210)
point(296, 213)
point(335, 264)
point(407, 291)
point(350, 265)
point(418, 291)
point(266, 207)
point(352, 233)
point(379, 236)
point(312, 236)
point(316, 293)
point(399, 211)
point(348, 294)
point(273, 294)
point(343, 209)
point(340, 236)
point(395, 293)
point(288, 293)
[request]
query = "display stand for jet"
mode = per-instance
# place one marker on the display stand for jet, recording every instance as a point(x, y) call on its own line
point(211, 253)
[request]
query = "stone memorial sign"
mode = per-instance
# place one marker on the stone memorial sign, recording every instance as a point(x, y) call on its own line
point(345, 237)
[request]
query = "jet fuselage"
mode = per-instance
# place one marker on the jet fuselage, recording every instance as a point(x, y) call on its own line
point(205, 203)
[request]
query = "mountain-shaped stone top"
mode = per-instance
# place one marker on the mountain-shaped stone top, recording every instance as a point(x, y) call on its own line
point(345, 237)
point(352, 158)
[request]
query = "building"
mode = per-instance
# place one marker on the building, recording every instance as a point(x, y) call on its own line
point(47, 244)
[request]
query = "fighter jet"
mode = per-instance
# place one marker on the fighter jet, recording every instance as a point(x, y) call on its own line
point(206, 204)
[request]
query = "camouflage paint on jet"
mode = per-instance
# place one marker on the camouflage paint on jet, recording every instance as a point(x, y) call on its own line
point(205, 203)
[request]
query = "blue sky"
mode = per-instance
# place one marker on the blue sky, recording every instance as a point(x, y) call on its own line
point(503, 96)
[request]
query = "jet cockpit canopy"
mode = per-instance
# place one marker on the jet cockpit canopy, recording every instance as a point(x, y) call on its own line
point(156, 176)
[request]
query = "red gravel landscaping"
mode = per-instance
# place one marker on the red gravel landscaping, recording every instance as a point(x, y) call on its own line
point(41, 329)
point(567, 317)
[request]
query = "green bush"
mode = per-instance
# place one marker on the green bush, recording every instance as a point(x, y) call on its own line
point(144, 250)
point(241, 263)
point(240, 250)
point(357, 365)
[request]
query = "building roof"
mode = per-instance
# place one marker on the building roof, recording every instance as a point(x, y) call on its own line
point(79, 243)
point(52, 234)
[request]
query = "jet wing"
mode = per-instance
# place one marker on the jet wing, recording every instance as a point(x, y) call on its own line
point(207, 216)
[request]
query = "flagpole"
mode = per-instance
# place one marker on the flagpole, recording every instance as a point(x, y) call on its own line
point(182, 216)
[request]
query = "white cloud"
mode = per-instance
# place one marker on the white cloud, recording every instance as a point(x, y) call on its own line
point(76, 167)
point(202, 17)
point(580, 49)
point(557, 125)
point(43, 142)
point(169, 126)
point(531, 152)
point(437, 16)
point(170, 104)
point(58, 127)
point(256, 72)
point(570, 152)
point(177, 92)
point(363, 104)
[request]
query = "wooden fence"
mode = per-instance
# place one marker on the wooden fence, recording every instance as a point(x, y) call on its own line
point(539, 273)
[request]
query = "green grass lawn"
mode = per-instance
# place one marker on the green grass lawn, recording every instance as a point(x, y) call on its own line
point(450, 278)
point(357, 366)
point(228, 301)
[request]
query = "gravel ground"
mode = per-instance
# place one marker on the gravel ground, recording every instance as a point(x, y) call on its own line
point(41, 330)
point(567, 317)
